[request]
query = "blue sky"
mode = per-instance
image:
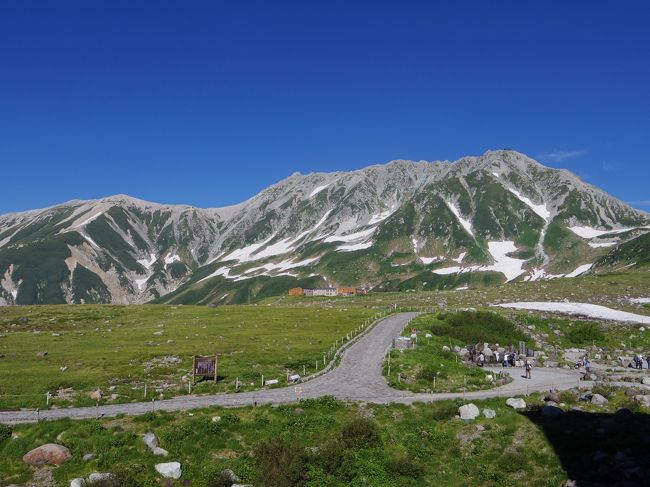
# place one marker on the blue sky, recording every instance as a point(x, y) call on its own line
point(207, 103)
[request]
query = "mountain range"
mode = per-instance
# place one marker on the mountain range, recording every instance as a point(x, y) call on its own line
point(477, 221)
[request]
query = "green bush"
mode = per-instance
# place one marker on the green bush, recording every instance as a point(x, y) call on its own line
point(480, 326)
point(360, 433)
point(5, 432)
point(585, 334)
point(280, 463)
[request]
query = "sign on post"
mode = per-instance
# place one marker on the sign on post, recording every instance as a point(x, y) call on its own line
point(204, 367)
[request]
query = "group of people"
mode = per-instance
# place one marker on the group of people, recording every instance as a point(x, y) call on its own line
point(638, 361)
point(583, 362)
point(509, 360)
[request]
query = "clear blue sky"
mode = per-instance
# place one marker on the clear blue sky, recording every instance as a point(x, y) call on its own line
point(207, 103)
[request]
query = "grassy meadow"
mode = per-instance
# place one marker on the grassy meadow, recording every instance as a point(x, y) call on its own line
point(324, 442)
point(120, 349)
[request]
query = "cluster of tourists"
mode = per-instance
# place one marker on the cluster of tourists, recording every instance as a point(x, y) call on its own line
point(509, 359)
point(637, 361)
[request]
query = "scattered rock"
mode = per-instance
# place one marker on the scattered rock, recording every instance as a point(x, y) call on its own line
point(41, 354)
point(230, 475)
point(298, 411)
point(468, 412)
point(171, 470)
point(553, 396)
point(216, 419)
point(150, 440)
point(643, 400)
point(445, 348)
point(598, 400)
point(516, 403)
point(97, 477)
point(161, 452)
point(49, 453)
point(551, 411)
point(78, 482)
point(645, 381)
point(489, 413)
point(89, 456)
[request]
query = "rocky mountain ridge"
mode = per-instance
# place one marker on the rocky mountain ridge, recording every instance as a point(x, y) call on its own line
point(477, 221)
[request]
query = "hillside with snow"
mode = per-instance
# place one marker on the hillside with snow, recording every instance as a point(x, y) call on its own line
point(415, 225)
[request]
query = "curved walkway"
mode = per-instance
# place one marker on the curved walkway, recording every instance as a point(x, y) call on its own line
point(358, 378)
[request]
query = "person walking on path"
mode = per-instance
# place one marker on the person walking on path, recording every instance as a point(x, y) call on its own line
point(647, 359)
point(587, 365)
point(529, 367)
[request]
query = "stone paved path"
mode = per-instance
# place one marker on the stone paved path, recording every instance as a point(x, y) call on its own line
point(358, 378)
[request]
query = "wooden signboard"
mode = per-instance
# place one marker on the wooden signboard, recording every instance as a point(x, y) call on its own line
point(204, 367)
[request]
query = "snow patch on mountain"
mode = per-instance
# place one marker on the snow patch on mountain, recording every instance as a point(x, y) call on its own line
point(88, 220)
point(467, 225)
point(430, 260)
point(148, 263)
point(89, 240)
point(352, 237)
point(579, 271)
point(598, 245)
point(589, 232)
point(317, 190)
point(460, 258)
point(353, 247)
point(284, 265)
point(380, 217)
point(540, 210)
point(141, 283)
point(508, 266)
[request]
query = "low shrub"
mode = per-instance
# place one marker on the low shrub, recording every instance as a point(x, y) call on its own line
point(360, 433)
point(585, 334)
point(280, 463)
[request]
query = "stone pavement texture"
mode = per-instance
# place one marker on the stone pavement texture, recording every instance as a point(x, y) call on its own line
point(357, 378)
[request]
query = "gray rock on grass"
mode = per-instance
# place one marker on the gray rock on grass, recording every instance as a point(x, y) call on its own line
point(170, 470)
point(599, 400)
point(516, 403)
point(468, 412)
point(489, 413)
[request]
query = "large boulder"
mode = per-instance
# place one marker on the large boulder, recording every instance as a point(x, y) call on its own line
point(468, 412)
point(516, 403)
point(645, 381)
point(598, 400)
point(78, 482)
point(49, 453)
point(171, 470)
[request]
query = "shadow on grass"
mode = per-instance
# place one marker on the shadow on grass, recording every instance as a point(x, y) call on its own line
point(600, 449)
